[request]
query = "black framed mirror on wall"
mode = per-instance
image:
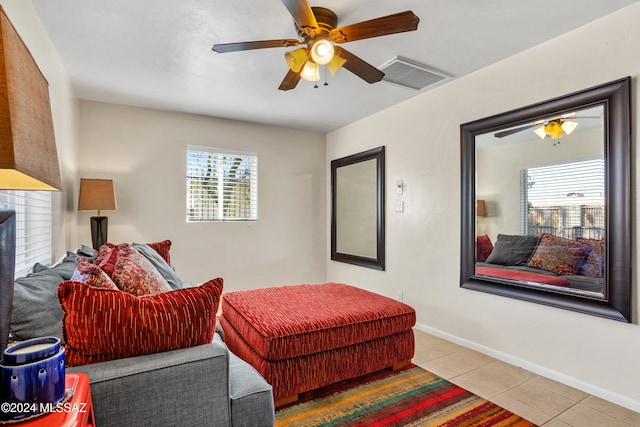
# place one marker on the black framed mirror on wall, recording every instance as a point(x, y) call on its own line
point(546, 202)
point(357, 209)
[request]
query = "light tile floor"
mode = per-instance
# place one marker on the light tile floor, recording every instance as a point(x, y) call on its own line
point(540, 400)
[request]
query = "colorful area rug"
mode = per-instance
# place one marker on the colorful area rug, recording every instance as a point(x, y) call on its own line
point(406, 397)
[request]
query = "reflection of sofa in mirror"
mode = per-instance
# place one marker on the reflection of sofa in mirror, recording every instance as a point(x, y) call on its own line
point(546, 260)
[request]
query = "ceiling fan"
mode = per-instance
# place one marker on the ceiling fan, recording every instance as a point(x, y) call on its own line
point(555, 127)
point(318, 31)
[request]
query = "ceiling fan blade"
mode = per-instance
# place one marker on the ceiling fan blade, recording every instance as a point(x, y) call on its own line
point(290, 80)
point(391, 24)
point(360, 68)
point(516, 130)
point(302, 14)
point(262, 44)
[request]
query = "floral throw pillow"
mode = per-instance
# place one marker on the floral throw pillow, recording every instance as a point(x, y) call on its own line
point(130, 270)
point(562, 256)
point(91, 275)
point(133, 273)
point(106, 258)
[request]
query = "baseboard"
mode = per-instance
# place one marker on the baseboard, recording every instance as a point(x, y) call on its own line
point(539, 370)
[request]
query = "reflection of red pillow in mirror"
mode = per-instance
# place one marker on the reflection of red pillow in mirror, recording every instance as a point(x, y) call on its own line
point(483, 248)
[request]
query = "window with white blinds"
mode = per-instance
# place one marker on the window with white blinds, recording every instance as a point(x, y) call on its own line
point(222, 185)
point(566, 200)
point(33, 227)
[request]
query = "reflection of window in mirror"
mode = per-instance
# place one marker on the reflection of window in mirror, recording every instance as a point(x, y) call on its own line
point(566, 200)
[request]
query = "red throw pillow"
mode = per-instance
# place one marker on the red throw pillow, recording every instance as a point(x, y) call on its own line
point(483, 248)
point(562, 256)
point(163, 249)
point(125, 325)
point(91, 275)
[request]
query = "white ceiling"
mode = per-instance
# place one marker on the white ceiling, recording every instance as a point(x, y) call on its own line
point(157, 53)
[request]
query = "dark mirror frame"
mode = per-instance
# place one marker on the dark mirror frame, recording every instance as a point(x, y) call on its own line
point(616, 304)
point(377, 263)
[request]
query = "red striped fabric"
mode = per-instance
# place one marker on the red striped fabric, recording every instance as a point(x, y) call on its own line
point(103, 324)
point(284, 322)
point(309, 372)
point(163, 249)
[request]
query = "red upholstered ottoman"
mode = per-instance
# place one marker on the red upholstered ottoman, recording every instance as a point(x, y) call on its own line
point(307, 336)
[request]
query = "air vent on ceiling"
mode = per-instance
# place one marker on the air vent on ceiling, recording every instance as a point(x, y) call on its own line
point(402, 72)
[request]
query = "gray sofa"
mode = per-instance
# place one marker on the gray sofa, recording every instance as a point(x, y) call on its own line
point(205, 385)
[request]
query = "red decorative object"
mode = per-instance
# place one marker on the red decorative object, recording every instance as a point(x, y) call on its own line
point(298, 336)
point(102, 324)
point(77, 411)
point(483, 248)
point(523, 276)
point(163, 248)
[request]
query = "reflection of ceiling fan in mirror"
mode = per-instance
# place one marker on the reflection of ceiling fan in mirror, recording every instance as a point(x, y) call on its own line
point(555, 127)
point(317, 28)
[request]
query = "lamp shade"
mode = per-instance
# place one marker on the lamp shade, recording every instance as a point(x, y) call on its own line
point(28, 155)
point(335, 64)
point(568, 126)
point(481, 210)
point(97, 195)
point(310, 71)
point(296, 59)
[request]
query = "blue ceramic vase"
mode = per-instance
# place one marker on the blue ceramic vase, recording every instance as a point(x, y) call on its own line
point(31, 375)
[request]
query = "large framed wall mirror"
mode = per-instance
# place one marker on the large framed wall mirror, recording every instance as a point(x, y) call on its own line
point(357, 209)
point(546, 202)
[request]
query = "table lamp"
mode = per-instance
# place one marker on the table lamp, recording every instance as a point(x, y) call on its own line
point(28, 155)
point(97, 195)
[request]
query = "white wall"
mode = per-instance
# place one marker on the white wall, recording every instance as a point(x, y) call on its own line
point(64, 110)
point(422, 138)
point(144, 152)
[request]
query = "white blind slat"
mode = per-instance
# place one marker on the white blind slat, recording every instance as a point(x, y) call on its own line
point(33, 227)
point(222, 185)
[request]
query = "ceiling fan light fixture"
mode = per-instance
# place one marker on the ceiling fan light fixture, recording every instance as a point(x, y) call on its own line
point(541, 132)
point(335, 64)
point(296, 59)
point(322, 51)
point(554, 130)
point(568, 126)
point(310, 71)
